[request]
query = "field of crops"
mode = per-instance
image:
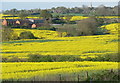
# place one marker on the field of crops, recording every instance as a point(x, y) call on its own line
point(74, 18)
point(82, 46)
point(38, 33)
point(40, 70)
point(113, 28)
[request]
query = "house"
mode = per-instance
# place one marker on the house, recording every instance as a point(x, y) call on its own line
point(18, 22)
point(36, 23)
point(5, 23)
point(33, 26)
point(36, 20)
point(8, 22)
point(29, 23)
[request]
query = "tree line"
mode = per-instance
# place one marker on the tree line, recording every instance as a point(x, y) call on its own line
point(100, 10)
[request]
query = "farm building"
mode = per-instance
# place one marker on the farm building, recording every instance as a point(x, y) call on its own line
point(30, 23)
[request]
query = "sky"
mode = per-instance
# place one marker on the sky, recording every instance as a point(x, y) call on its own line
point(60, 0)
point(47, 5)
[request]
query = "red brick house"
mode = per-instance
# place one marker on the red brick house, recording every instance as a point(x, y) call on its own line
point(30, 23)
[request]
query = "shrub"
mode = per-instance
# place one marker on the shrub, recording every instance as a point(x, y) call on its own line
point(69, 28)
point(84, 27)
point(100, 31)
point(61, 58)
point(14, 59)
point(107, 57)
point(27, 35)
point(4, 59)
point(8, 34)
point(58, 21)
point(46, 28)
point(39, 58)
point(51, 58)
point(106, 75)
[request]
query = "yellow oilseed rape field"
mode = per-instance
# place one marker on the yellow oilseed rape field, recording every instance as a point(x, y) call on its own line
point(113, 28)
point(74, 18)
point(85, 46)
point(2, 17)
point(82, 45)
point(38, 33)
point(26, 70)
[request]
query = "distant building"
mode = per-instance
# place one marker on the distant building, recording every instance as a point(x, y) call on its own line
point(33, 26)
point(17, 22)
point(30, 23)
point(5, 23)
point(36, 22)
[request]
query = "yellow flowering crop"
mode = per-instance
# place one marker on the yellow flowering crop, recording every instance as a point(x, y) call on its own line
point(82, 45)
point(20, 70)
point(113, 28)
point(38, 33)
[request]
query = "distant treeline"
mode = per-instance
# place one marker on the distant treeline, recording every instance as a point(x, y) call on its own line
point(84, 10)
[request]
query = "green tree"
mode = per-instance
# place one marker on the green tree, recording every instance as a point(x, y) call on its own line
point(88, 26)
point(13, 12)
point(45, 14)
point(68, 17)
point(8, 34)
point(27, 35)
point(23, 15)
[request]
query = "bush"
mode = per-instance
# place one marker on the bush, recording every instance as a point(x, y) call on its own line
point(4, 59)
point(107, 75)
point(101, 31)
point(58, 21)
point(8, 34)
point(46, 28)
point(39, 58)
point(107, 57)
point(84, 27)
point(27, 35)
point(69, 28)
point(14, 59)
point(51, 58)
